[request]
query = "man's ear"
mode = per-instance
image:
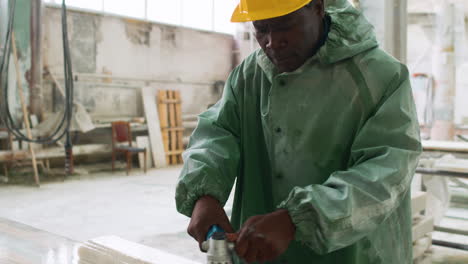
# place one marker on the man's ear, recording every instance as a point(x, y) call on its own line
point(320, 6)
point(317, 6)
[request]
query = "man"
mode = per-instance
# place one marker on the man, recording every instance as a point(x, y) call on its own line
point(318, 130)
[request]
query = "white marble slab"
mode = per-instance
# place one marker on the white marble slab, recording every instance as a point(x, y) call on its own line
point(115, 250)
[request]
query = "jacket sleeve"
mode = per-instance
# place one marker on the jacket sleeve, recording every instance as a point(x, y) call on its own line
point(212, 158)
point(352, 203)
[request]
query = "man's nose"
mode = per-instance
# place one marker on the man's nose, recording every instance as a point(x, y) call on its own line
point(276, 40)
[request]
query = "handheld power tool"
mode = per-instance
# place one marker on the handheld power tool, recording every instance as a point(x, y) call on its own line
point(218, 249)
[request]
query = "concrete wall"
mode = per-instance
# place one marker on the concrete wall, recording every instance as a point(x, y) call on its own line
point(135, 53)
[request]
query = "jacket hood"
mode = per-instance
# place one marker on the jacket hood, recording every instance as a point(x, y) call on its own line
point(350, 34)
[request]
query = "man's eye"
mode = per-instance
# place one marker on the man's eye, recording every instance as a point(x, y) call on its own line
point(261, 30)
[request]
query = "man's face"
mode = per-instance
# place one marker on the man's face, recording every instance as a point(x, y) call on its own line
point(291, 39)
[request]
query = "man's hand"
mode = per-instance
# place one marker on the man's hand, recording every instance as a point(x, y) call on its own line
point(207, 212)
point(265, 237)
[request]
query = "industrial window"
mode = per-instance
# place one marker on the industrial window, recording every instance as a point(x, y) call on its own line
point(169, 12)
point(198, 14)
point(212, 15)
point(222, 16)
point(85, 4)
point(134, 8)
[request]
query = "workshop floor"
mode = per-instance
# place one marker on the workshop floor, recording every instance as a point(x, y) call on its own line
point(138, 208)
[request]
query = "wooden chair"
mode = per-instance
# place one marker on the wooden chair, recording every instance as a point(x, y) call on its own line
point(122, 133)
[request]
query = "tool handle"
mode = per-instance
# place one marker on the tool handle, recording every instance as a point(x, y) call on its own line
point(213, 229)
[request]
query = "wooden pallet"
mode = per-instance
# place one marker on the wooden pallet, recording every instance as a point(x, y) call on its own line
point(170, 117)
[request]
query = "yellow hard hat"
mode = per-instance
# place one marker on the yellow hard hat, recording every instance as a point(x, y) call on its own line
point(251, 10)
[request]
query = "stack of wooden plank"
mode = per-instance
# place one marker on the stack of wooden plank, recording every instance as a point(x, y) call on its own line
point(423, 225)
point(170, 118)
point(154, 129)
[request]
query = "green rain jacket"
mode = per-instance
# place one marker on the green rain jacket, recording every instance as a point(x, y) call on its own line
point(335, 142)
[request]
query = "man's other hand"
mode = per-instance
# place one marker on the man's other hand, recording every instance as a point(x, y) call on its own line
point(207, 213)
point(265, 237)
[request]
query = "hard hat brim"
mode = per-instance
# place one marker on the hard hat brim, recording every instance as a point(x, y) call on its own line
point(239, 16)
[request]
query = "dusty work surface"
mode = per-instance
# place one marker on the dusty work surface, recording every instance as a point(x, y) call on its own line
point(22, 244)
point(139, 208)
